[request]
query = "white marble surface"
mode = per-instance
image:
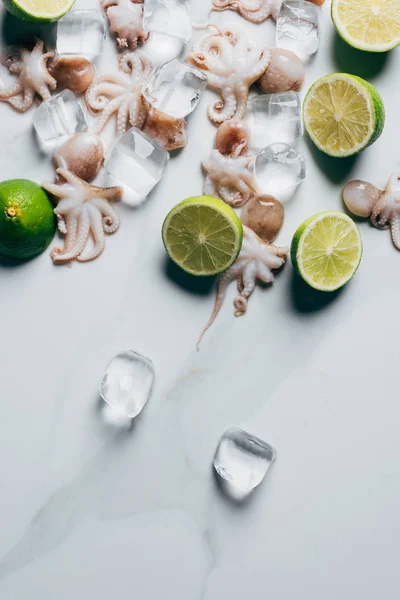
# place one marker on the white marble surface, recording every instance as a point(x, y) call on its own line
point(92, 509)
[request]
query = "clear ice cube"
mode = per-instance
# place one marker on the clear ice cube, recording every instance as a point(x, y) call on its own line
point(161, 48)
point(137, 164)
point(171, 17)
point(175, 88)
point(279, 169)
point(297, 27)
point(274, 118)
point(128, 382)
point(81, 33)
point(243, 459)
point(58, 118)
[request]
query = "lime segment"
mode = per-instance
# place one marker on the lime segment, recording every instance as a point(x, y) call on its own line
point(326, 250)
point(38, 11)
point(202, 235)
point(372, 25)
point(343, 114)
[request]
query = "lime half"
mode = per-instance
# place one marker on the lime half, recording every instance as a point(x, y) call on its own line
point(38, 11)
point(202, 235)
point(326, 250)
point(372, 25)
point(343, 114)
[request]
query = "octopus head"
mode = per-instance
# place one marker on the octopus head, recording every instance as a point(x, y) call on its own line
point(285, 72)
point(360, 197)
point(169, 132)
point(232, 138)
point(75, 73)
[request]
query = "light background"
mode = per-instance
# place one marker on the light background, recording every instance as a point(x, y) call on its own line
point(91, 509)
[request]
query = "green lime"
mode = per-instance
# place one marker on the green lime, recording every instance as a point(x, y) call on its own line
point(372, 25)
point(27, 221)
point(326, 250)
point(343, 114)
point(202, 235)
point(38, 11)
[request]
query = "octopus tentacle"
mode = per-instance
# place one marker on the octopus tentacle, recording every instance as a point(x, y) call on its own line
point(82, 233)
point(123, 117)
point(22, 103)
point(111, 108)
point(110, 216)
point(96, 229)
point(395, 227)
point(12, 90)
point(380, 215)
point(247, 284)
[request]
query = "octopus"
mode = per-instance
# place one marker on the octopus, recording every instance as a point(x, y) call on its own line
point(167, 131)
point(74, 73)
point(382, 206)
point(120, 94)
point(264, 215)
point(81, 154)
point(126, 22)
point(256, 261)
point(232, 63)
point(84, 212)
point(33, 78)
point(227, 169)
point(255, 11)
point(285, 73)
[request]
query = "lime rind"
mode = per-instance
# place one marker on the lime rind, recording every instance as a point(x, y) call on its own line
point(222, 246)
point(298, 250)
point(375, 108)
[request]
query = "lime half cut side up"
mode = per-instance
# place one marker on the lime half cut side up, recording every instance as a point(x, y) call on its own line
point(326, 250)
point(371, 25)
point(202, 235)
point(38, 11)
point(343, 114)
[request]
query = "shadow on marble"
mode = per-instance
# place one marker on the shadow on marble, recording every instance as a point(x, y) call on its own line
point(337, 170)
point(190, 283)
point(306, 300)
point(16, 32)
point(112, 418)
point(235, 496)
point(357, 62)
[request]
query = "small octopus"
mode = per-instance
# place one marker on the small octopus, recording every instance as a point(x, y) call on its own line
point(121, 94)
point(255, 261)
point(126, 22)
point(382, 206)
point(255, 11)
point(33, 78)
point(232, 63)
point(83, 212)
point(228, 173)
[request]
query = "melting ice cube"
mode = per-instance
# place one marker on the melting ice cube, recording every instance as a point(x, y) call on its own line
point(243, 459)
point(274, 118)
point(297, 27)
point(175, 88)
point(137, 164)
point(81, 33)
point(279, 168)
point(60, 117)
point(170, 17)
point(128, 382)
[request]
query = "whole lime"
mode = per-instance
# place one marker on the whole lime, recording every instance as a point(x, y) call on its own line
point(27, 220)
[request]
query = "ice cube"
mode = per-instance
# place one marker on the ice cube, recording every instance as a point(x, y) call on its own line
point(81, 33)
point(279, 169)
point(171, 17)
point(243, 459)
point(128, 382)
point(297, 27)
point(274, 118)
point(161, 48)
point(137, 164)
point(58, 118)
point(175, 88)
